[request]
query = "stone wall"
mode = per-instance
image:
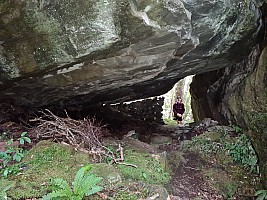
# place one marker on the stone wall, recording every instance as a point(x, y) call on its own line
point(147, 110)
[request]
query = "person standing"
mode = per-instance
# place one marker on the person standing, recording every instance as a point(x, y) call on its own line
point(178, 110)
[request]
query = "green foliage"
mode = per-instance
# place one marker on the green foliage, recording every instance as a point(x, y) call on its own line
point(242, 151)
point(23, 138)
point(170, 122)
point(237, 129)
point(13, 154)
point(261, 194)
point(209, 143)
point(3, 194)
point(44, 160)
point(206, 145)
point(229, 190)
point(149, 169)
point(123, 195)
point(258, 121)
point(83, 185)
point(111, 154)
point(4, 135)
point(11, 170)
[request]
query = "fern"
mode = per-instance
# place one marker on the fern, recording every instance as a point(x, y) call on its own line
point(3, 194)
point(60, 183)
point(83, 185)
point(88, 185)
point(78, 180)
point(261, 194)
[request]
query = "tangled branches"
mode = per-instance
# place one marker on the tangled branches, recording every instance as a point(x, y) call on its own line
point(84, 133)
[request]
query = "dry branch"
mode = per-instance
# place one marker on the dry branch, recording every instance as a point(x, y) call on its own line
point(84, 133)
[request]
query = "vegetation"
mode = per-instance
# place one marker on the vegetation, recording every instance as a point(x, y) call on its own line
point(239, 148)
point(243, 152)
point(149, 169)
point(47, 160)
point(13, 153)
point(261, 194)
point(258, 121)
point(3, 194)
point(83, 185)
point(53, 171)
point(170, 122)
point(234, 170)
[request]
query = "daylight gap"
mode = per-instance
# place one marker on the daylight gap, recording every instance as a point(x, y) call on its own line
point(181, 89)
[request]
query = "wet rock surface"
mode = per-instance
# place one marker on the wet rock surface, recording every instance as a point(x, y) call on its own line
point(71, 53)
point(237, 97)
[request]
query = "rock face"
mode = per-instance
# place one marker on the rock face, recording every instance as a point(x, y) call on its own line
point(73, 53)
point(247, 106)
point(77, 52)
point(239, 96)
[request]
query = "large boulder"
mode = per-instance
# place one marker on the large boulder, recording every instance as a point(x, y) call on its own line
point(238, 97)
point(76, 52)
point(247, 106)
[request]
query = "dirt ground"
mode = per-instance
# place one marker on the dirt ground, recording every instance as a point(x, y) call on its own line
point(188, 182)
point(187, 179)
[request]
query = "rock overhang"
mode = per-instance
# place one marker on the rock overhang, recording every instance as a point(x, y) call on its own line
point(106, 51)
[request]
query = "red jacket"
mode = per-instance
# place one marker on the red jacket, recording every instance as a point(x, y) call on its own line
point(178, 108)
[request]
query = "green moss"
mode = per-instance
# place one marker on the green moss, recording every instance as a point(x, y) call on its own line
point(111, 176)
point(170, 122)
point(258, 121)
point(258, 134)
point(48, 160)
point(222, 174)
point(148, 168)
point(131, 190)
point(125, 195)
point(45, 161)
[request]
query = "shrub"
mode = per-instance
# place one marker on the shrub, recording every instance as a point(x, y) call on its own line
point(13, 154)
point(242, 151)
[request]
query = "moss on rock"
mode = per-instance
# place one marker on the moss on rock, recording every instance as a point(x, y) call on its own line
point(248, 106)
point(48, 160)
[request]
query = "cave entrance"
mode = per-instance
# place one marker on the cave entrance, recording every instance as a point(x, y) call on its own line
point(181, 88)
point(152, 110)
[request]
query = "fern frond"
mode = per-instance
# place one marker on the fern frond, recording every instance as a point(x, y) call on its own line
point(60, 183)
point(88, 182)
point(78, 180)
point(8, 187)
point(260, 192)
point(3, 194)
point(93, 190)
point(62, 189)
point(55, 195)
point(84, 184)
point(91, 180)
point(76, 198)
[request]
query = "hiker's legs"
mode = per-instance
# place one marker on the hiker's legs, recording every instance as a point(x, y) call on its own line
point(179, 120)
